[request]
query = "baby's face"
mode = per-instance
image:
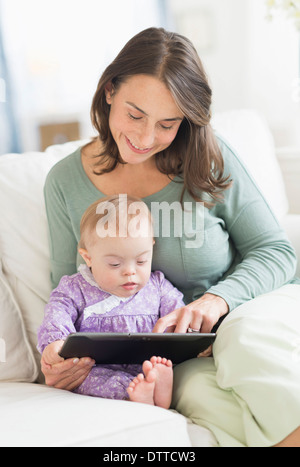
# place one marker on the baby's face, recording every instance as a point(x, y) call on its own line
point(121, 266)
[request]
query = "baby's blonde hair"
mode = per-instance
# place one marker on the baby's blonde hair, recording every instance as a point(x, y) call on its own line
point(111, 216)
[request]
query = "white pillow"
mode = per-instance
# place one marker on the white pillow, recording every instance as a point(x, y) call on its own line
point(24, 249)
point(248, 133)
point(17, 362)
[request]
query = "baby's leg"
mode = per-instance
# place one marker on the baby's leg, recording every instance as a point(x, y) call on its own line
point(141, 388)
point(109, 382)
point(164, 381)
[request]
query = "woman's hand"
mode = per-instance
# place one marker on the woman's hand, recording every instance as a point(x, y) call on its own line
point(200, 315)
point(64, 374)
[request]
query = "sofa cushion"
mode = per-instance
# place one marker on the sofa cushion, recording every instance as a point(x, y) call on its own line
point(34, 415)
point(248, 133)
point(24, 249)
point(291, 225)
point(17, 362)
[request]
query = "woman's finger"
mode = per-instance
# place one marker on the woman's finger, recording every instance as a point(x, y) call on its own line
point(79, 380)
point(184, 321)
point(77, 377)
point(166, 322)
point(196, 321)
point(63, 374)
point(207, 352)
point(74, 380)
point(208, 323)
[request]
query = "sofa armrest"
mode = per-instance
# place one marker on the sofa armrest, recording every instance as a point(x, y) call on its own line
point(289, 161)
point(291, 224)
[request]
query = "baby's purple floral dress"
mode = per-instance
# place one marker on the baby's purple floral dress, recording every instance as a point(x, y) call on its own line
point(79, 305)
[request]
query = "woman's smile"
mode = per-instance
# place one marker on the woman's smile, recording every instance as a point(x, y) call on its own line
point(144, 118)
point(135, 148)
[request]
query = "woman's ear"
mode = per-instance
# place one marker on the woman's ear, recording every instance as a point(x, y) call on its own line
point(85, 255)
point(109, 92)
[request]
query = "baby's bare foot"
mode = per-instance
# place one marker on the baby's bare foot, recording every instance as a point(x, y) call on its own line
point(141, 388)
point(164, 381)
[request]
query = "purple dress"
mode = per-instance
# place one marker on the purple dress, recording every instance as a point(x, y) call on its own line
point(79, 305)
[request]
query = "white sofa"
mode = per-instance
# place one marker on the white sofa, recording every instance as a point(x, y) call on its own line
point(33, 414)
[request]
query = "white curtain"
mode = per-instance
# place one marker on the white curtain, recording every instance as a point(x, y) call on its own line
point(9, 140)
point(57, 50)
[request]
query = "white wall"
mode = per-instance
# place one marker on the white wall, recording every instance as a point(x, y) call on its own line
point(251, 62)
point(59, 48)
point(273, 72)
point(217, 29)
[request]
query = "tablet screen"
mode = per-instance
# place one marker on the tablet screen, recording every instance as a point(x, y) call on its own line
point(119, 348)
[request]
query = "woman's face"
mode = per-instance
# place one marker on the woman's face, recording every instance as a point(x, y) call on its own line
point(144, 118)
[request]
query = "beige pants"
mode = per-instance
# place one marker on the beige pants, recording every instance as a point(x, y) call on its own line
point(249, 393)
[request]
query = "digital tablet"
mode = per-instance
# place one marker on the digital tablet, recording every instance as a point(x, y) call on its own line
point(119, 348)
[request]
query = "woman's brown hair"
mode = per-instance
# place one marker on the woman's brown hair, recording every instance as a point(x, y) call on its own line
point(194, 154)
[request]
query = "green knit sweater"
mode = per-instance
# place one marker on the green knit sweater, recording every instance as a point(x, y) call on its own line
point(236, 249)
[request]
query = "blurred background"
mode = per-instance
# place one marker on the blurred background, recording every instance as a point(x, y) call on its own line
point(52, 53)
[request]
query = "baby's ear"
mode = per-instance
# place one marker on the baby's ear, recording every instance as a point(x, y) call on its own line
point(85, 255)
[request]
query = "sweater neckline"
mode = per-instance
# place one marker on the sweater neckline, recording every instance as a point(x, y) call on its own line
point(158, 196)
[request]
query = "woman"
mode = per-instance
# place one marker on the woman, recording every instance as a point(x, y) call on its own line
point(152, 113)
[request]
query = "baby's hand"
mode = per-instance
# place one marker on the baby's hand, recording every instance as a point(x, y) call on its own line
point(64, 374)
point(51, 354)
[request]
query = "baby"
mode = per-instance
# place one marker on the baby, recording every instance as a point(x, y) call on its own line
point(115, 291)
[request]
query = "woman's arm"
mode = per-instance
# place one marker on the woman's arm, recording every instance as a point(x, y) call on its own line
point(62, 239)
point(264, 259)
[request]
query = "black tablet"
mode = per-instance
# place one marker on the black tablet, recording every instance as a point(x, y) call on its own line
point(119, 348)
